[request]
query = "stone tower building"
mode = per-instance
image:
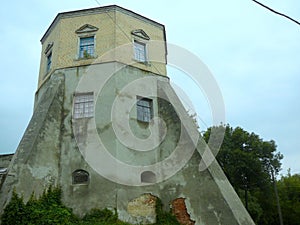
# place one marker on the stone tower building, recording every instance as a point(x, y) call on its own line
point(108, 128)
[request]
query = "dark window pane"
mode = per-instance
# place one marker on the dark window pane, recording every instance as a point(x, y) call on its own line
point(144, 109)
point(80, 177)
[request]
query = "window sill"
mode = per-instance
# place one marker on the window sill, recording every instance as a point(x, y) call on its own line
point(143, 121)
point(82, 118)
point(146, 63)
point(80, 184)
point(86, 58)
point(47, 73)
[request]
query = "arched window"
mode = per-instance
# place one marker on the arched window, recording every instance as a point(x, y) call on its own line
point(148, 177)
point(80, 177)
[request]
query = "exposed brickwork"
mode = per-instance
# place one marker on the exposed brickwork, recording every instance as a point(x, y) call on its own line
point(180, 211)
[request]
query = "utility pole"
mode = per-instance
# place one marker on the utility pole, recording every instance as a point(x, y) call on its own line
point(246, 197)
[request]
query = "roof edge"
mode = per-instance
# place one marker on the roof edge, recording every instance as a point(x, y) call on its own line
point(6, 154)
point(102, 9)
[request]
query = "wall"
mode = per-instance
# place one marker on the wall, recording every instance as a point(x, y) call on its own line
point(55, 145)
point(5, 160)
point(49, 153)
point(115, 27)
point(35, 164)
point(4, 164)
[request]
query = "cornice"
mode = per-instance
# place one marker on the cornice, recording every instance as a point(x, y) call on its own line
point(93, 11)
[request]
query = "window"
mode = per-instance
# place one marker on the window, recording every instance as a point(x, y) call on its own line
point(144, 109)
point(140, 51)
point(49, 62)
point(148, 177)
point(86, 47)
point(83, 105)
point(3, 170)
point(80, 177)
point(48, 55)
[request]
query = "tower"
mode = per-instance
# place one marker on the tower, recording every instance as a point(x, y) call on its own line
point(104, 128)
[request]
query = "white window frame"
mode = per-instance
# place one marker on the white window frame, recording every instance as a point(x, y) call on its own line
point(81, 53)
point(140, 51)
point(83, 105)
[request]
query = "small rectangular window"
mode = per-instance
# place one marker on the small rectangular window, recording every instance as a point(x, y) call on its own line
point(86, 47)
point(144, 109)
point(83, 105)
point(49, 62)
point(140, 51)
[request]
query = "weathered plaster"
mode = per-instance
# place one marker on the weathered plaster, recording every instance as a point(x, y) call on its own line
point(143, 209)
point(49, 151)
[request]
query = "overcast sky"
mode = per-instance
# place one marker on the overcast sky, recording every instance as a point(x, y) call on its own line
point(253, 54)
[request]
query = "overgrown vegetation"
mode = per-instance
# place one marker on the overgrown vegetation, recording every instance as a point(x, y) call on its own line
point(49, 210)
point(162, 217)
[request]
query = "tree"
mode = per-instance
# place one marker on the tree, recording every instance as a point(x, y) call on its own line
point(289, 193)
point(249, 162)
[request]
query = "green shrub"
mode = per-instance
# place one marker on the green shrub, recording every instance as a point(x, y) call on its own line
point(101, 217)
point(46, 210)
point(163, 217)
point(15, 211)
point(49, 210)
